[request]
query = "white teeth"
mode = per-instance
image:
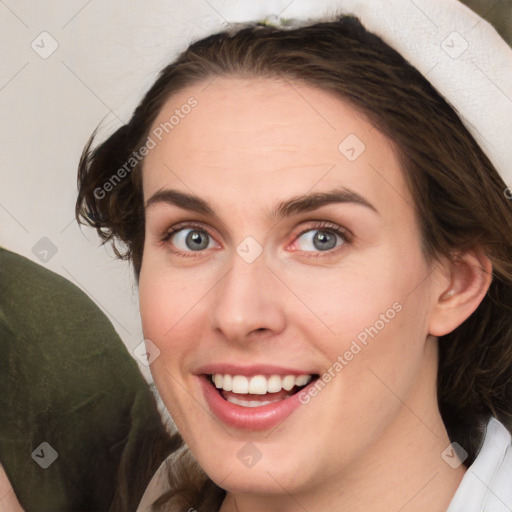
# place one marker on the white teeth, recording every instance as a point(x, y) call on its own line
point(218, 379)
point(240, 384)
point(288, 382)
point(227, 384)
point(247, 403)
point(274, 384)
point(258, 384)
point(301, 380)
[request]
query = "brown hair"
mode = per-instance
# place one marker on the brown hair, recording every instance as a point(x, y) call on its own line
point(457, 193)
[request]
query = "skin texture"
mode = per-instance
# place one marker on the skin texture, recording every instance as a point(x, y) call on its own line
point(372, 439)
point(8, 500)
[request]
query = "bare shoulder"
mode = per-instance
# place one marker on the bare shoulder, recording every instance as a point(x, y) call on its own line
point(8, 500)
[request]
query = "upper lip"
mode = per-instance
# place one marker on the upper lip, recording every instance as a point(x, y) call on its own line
point(250, 370)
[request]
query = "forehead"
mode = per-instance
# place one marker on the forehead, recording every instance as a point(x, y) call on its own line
point(266, 134)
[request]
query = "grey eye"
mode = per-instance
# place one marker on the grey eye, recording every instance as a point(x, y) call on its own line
point(190, 239)
point(319, 240)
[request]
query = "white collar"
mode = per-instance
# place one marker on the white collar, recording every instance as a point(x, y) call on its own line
point(487, 484)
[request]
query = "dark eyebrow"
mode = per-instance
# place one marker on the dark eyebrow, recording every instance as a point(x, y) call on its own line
point(298, 204)
point(309, 202)
point(182, 200)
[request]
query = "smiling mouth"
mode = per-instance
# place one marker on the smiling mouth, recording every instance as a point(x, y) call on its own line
point(258, 390)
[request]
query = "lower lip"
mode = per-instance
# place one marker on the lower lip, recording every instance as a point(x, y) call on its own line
point(250, 418)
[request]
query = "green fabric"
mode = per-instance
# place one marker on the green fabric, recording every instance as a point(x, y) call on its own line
point(67, 379)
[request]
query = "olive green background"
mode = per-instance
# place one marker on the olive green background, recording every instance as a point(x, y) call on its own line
point(497, 12)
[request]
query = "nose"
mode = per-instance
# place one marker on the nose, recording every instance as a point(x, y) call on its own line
point(246, 303)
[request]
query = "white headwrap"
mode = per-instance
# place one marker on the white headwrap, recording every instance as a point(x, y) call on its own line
point(461, 55)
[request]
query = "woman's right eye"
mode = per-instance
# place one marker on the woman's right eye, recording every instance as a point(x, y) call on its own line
point(190, 240)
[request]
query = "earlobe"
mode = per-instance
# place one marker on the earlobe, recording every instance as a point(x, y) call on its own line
point(470, 278)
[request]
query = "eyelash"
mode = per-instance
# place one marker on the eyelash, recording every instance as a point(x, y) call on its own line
point(330, 227)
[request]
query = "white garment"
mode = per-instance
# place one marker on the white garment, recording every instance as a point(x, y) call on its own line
point(487, 484)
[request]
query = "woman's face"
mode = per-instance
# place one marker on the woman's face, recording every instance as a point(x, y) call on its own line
point(282, 245)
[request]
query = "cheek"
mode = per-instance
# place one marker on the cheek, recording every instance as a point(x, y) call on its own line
point(163, 302)
point(173, 307)
point(358, 295)
point(167, 295)
point(166, 307)
point(157, 305)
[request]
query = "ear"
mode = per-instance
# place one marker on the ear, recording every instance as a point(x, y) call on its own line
point(469, 277)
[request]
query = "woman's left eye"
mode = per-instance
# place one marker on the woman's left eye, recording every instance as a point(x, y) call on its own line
point(320, 239)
